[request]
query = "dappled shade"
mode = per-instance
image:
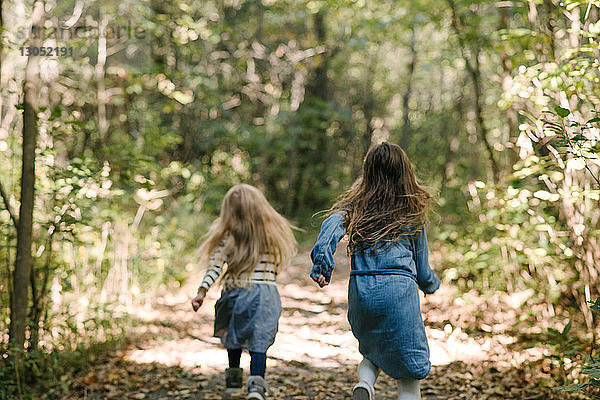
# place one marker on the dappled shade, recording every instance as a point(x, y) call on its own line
point(147, 112)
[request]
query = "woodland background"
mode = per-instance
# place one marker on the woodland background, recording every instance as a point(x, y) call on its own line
point(114, 159)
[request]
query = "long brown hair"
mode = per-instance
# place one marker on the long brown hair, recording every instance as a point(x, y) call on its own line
point(250, 228)
point(385, 203)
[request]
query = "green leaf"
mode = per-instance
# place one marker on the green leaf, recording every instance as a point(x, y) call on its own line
point(596, 306)
point(562, 112)
point(593, 365)
point(597, 119)
point(573, 387)
point(56, 112)
point(593, 372)
point(567, 328)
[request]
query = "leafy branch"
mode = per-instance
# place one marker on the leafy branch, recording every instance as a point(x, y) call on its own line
point(577, 143)
point(592, 370)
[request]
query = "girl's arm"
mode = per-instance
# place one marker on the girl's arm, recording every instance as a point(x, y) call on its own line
point(213, 272)
point(211, 276)
point(215, 263)
point(426, 278)
point(332, 231)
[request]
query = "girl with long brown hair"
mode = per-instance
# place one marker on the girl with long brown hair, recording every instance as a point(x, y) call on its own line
point(383, 215)
point(246, 246)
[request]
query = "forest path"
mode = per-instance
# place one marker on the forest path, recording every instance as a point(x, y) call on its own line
point(172, 355)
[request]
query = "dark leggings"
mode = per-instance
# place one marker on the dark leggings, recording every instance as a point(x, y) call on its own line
point(258, 361)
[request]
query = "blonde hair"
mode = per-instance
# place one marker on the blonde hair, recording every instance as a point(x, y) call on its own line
point(250, 227)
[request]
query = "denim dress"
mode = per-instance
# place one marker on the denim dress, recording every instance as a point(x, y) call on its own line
point(246, 317)
point(383, 299)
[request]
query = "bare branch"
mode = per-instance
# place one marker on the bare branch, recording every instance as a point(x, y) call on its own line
point(8, 208)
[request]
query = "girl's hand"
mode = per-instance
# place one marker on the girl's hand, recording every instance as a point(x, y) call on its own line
point(321, 281)
point(199, 299)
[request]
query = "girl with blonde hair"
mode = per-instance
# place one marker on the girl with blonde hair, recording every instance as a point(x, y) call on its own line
point(246, 246)
point(383, 215)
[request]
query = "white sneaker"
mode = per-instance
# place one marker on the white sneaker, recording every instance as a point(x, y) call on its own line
point(363, 391)
point(257, 388)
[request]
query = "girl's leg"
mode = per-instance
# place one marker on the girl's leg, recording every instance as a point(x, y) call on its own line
point(409, 389)
point(367, 372)
point(234, 356)
point(257, 387)
point(233, 374)
point(258, 363)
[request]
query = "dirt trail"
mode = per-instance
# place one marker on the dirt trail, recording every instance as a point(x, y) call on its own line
point(172, 355)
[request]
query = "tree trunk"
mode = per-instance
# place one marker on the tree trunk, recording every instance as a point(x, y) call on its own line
point(24, 259)
point(472, 65)
point(260, 11)
point(406, 98)
point(39, 297)
point(551, 28)
point(367, 137)
point(483, 132)
point(1, 56)
point(1, 41)
point(453, 140)
point(291, 177)
point(319, 86)
point(316, 95)
point(103, 123)
point(368, 105)
point(1, 26)
point(511, 112)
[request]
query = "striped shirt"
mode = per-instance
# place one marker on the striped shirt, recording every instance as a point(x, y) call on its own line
point(264, 272)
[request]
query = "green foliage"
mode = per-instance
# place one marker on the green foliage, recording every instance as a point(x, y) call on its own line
point(50, 367)
point(563, 346)
point(136, 154)
point(590, 370)
point(521, 234)
point(48, 372)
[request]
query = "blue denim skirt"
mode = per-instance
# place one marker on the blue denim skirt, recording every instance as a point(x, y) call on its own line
point(385, 316)
point(248, 317)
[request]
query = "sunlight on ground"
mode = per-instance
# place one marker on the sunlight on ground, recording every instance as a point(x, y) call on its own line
point(313, 329)
point(319, 346)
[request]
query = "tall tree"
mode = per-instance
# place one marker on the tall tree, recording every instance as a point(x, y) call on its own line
point(409, 85)
point(24, 260)
point(316, 97)
point(511, 112)
point(1, 40)
point(1, 52)
point(472, 64)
